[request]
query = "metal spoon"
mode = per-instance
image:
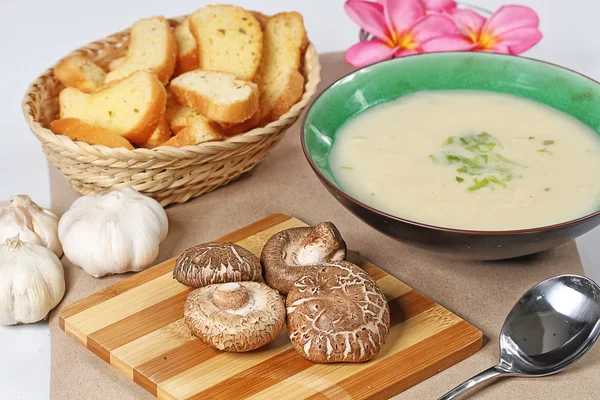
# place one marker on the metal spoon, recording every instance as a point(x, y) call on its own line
point(553, 325)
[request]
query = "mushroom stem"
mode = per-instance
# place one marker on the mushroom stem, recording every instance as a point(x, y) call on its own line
point(231, 296)
point(296, 252)
point(321, 244)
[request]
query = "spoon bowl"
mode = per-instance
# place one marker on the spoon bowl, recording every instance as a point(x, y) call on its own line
point(553, 325)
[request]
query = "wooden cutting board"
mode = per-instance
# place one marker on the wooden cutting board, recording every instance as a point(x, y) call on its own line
point(137, 327)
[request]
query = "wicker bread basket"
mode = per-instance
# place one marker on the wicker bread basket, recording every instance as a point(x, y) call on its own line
point(168, 174)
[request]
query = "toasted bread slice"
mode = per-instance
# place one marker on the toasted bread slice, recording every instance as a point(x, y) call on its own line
point(152, 47)
point(187, 49)
point(200, 132)
point(81, 73)
point(131, 107)
point(261, 18)
point(161, 134)
point(280, 82)
point(116, 63)
point(180, 116)
point(216, 95)
point(80, 131)
point(243, 127)
point(278, 98)
point(229, 40)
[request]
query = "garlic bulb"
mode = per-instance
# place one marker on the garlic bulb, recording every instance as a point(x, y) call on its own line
point(113, 232)
point(33, 224)
point(31, 282)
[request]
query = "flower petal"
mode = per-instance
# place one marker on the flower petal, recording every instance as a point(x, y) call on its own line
point(369, 16)
point(509, 18)
point(404, 52)
point(440, 5)
point(434, 26)
point(469, 21)
point(401, 15)
point(521, 40)
point(369, 52)
point(497, 48)
point(448, 43)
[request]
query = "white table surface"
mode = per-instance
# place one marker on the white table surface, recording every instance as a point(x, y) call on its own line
point(34, 34)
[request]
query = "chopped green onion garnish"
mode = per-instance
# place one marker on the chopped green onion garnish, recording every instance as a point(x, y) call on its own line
point(484, 148)
point(448, 141)
point(547, 190)
point(544, 151)
point(479, 184)
point(496, 181)
point(531, 137)
point(506, 160)
point(486, 165)
point(548, 142)
point(348, 168)
point(469, 162)
point(433, 158)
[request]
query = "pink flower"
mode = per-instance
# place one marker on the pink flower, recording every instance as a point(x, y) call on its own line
point(510, 30)
point(435, 5)
point(439, 5)
point(400, 28)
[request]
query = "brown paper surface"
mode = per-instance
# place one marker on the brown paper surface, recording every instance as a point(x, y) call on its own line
point(482, 293)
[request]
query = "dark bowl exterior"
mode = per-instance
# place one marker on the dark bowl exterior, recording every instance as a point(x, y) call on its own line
point(464, 245)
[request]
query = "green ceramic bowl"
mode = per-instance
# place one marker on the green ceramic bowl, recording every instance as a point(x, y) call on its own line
point(557, 87)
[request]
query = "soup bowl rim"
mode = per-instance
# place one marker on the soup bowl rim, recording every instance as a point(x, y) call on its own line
point(332, 185)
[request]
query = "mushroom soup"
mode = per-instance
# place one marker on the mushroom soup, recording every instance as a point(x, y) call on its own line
point(470, 160)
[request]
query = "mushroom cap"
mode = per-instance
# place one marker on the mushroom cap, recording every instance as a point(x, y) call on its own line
point(209, 263)
point(291, 254)
point(237, 316)
point(338, 314)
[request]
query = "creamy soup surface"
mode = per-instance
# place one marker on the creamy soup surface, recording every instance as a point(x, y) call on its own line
point(470, 160)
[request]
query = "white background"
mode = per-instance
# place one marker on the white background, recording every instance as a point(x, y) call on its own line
point(33, 35)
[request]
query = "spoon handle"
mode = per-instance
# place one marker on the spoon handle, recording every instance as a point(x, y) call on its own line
point(476, 380)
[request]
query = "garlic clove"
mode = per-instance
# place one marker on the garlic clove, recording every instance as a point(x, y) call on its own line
point(17, 223)
point(21, 216)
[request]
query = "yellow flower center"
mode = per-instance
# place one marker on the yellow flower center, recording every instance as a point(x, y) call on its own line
point(403, 41)
point(407, 43)
point(473, 35)
point(486, 40)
